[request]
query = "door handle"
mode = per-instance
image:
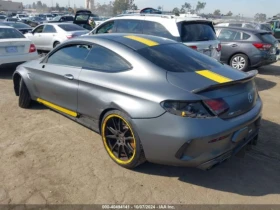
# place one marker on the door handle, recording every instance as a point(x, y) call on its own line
point(234, 45)
point(69, 76)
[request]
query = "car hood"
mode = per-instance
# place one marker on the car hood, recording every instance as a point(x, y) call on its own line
point(192, 81)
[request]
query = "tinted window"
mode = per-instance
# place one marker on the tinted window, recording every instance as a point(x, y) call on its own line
point(73, 55)
point(10, 33)
point(102, 59)
point(69, 18)
point(265, 27)
point(2, 17)
point(249, 26)
point(19, 25)
point(235, 25)
point(39, 29)
point(156, 29)
point(229, 35)
point(178, 58)
point(71, 27)
point(129, 26)
point(106, 28)
point(49, 29)
point(192, 32)
point(246, 36)
point(268, 38)
point(57, 18)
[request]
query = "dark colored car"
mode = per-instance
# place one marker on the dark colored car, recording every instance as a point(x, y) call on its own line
point(2, 17)
point(23, 28)
point(31, 23)
point(247, 48)
point(38, 20)
point(82, 18)
point(64, 18)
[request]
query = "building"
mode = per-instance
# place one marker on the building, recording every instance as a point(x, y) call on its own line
point(89, 4)
point(10, 6)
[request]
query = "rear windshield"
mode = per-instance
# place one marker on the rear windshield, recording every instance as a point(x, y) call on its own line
point(178, 58)
point(10, 33)
point(18, 25)
point(71, 27)
point(268, 38)
point(192, 32)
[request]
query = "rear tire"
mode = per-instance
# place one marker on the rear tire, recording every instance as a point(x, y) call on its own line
point(56, 44)
point(121, 140)
point(24, 96)
point(239, 62)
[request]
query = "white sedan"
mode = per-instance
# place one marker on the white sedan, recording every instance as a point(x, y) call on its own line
point(48, 35)
point(14, 47)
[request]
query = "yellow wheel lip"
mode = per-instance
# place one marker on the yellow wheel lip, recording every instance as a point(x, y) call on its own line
point(106, 145)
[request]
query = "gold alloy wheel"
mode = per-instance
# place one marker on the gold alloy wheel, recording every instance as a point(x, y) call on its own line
point(118, 138)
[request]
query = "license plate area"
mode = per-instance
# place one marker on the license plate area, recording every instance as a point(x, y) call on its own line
point(11, 49)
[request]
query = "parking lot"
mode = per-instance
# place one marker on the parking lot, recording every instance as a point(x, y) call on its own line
point(47, 158)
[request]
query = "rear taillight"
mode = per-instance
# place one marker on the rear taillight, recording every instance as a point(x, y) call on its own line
point(193, 109)
point(219, 47)
point(32, 48)
point(193, 47)
point(262, 46)
point(69, 36)
point(217, 106)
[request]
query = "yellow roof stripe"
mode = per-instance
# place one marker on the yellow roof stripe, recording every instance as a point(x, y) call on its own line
point(142, 40)
point(58, 108)
point(213, 76)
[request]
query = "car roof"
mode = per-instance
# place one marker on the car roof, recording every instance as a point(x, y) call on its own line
point(249, 30)
point(4, 26)
point(133, 41)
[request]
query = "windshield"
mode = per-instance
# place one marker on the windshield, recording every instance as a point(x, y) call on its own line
point(10, 33)
point(268, 38)
point(71, 27)
point(192, 32)
point(178, 58)
point(18, 25)
point(22, 16)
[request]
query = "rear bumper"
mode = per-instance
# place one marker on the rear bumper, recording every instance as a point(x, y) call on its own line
point(264, 59)
point(10, 60)
point(178, 141)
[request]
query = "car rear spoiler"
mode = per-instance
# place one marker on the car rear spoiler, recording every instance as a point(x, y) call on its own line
point(250, 76)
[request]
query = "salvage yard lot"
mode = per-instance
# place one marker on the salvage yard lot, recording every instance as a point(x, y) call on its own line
point(47, 158)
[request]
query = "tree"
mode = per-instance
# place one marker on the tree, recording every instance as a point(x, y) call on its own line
point(260, 17)
point(217, 12)
point(187, 6)
point(39, 5)
point(159, 8)
point(176, 11)
point(229, 13)
point(57, 7)
point(182, 10)
point(33, 5)
point(120, 6)
point(200, 6)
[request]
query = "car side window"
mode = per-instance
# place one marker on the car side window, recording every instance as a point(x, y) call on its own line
point(156, 29)
point(39, 29)
point(106, 28)
point(71, 55)
point(245, 36)
point(129, 26)
point(229, 35)
point(103, 59)
point(49, 29)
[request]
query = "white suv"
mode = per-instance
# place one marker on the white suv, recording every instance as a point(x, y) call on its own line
point(198, 34)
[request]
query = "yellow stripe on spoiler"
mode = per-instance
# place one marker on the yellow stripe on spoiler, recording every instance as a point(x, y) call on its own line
point(213, 76)
point(58, 108)
point(143, 40)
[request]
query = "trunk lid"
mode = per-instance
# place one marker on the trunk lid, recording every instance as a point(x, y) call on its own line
point(14, 46)
point(237, 90)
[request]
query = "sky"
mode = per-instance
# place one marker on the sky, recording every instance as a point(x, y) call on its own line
point(247, 8)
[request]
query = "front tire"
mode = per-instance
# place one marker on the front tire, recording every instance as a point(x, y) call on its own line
point(239, 62)
point(121, 141)
point(24, 96)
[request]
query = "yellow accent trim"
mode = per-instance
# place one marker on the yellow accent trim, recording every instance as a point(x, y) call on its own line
point(58, 108)
point(143, 40)
point(111, 154)
point(213, 76)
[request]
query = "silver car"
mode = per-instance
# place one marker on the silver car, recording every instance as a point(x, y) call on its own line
point(150, 98)
point(47, 36)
